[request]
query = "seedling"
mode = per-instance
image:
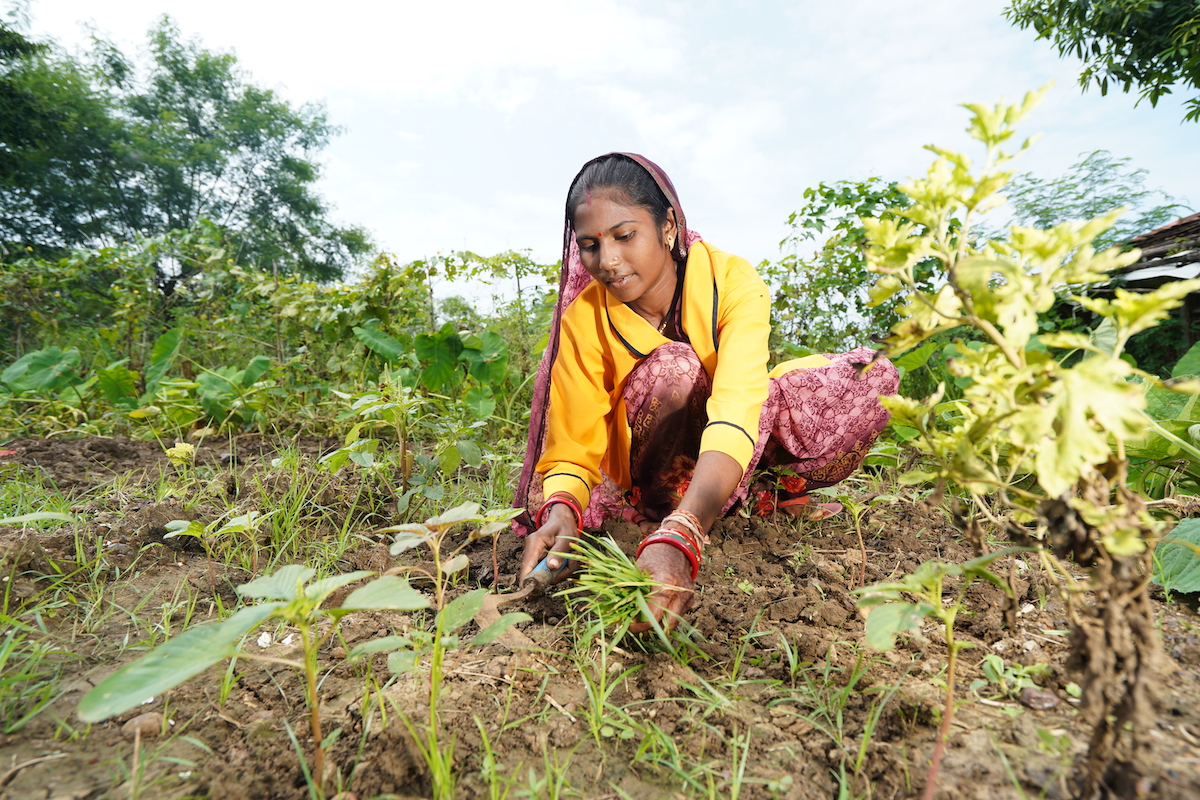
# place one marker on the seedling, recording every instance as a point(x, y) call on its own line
point(406, 652)
point(216, 532)
point(286, 598)
point(1009, 679)
point(889, 614)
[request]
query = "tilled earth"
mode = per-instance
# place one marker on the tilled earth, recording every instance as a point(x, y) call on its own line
point(737, 717)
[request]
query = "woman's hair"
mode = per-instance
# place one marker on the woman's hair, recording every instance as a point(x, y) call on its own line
point(620, 173)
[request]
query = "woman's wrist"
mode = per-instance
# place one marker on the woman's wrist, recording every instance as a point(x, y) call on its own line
point(557, 505)
point(682, 541)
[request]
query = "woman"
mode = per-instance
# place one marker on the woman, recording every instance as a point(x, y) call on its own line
point(653, 400)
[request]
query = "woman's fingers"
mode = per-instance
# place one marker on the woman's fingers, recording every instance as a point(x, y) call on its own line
point(536, 545)
point(552, 541)
point(668, 606)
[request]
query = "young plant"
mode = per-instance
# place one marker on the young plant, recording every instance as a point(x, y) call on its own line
point(392, 407)
point(406, 652)
point(216, 535)
point(889, 613)
point(1009, 679)
point(284, 597)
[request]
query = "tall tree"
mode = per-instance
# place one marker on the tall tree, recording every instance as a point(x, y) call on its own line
point(144, 150)
point(1150, 44)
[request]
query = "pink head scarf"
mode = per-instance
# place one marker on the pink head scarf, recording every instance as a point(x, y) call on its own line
point(572, 280)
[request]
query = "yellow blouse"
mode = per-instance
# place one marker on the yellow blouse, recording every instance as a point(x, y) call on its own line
point(726, 316)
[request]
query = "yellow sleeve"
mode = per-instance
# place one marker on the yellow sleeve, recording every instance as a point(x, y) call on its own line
point(580, 403)
point(740, 380)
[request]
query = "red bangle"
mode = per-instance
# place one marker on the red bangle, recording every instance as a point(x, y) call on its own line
point(567, 500)
point(687, 537)
point(676, 540)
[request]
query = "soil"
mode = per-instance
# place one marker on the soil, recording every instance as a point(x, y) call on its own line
point(738, 715)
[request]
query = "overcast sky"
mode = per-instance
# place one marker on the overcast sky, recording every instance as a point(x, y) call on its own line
point(465, 121)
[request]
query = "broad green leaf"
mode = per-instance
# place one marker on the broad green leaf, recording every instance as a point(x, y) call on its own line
point(285, 584)
point(1104, 336)
point(463, 513)
point(916, 477)
point(183, 527)
point(384, 644)
point(402, 661)
point(389, 592)
point(42, 370)
point(449, 459)
point(498, 627)
point(438, 354)
point(408, 539)
point(162, 355)
point(1177, 566)
point(488, 364)
point(169, 665)
point(915, 359)
point(118, 383)
point(460, 611)
point(319, 590)
point(257, 367)
point(380, 343)
point(456, 564)
point(481, 400)
point(471, 453)
point(884, 622)
point(1189, 364)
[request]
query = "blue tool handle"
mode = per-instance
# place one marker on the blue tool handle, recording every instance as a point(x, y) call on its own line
point(542, 576)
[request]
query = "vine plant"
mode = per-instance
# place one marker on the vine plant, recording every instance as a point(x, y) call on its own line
point(1038, 438)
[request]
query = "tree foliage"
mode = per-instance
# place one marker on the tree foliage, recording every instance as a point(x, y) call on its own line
point(1150, 44)
point(1092, 187)
point(118, 150)
point(821, 301)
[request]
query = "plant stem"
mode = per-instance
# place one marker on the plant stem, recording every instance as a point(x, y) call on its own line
point(314, 706)
point(947, 713)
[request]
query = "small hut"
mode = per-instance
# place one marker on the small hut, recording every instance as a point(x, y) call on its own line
point(1169, 253)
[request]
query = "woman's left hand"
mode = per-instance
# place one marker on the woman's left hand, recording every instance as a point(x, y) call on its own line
point(671, 568)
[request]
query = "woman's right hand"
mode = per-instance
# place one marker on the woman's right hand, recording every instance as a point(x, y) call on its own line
point(552, 541)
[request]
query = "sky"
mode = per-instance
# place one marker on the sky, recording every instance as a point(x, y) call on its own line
point(466, 121)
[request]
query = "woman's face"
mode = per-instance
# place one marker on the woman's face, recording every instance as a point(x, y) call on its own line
point(623, 248)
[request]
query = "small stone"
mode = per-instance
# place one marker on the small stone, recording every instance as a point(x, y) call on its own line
point(1038, 699)
point(148, 724)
